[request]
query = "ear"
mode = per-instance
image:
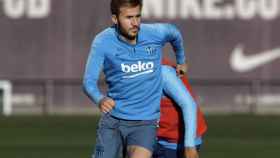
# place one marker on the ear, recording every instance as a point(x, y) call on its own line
point(114, 19)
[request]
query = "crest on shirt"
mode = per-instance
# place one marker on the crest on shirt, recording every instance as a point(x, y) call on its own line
point(150, 50)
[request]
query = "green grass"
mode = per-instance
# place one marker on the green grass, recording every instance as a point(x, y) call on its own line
point(242, 136)
point(237, 136)
point(47, 137)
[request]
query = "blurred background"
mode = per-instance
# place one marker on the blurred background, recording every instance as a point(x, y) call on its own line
point(232, 47)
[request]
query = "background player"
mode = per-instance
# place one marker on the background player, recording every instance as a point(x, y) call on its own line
point(171, 131)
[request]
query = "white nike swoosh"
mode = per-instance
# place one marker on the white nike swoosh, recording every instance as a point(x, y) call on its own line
point(242, 63)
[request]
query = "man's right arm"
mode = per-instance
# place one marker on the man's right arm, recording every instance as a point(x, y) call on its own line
point(93, 68)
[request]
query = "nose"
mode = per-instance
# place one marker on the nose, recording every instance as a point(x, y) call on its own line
point(135, 21)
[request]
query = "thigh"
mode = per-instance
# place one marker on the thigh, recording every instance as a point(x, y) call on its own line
point(134, 151)
point(141, 138)
point(108, 140)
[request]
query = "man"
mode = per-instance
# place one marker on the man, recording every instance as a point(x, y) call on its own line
point(129, 53)
point(171, 127)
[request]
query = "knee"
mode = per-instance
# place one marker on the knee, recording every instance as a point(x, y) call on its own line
point(134, 151)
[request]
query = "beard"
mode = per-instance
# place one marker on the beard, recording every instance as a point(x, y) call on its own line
point(126, 34)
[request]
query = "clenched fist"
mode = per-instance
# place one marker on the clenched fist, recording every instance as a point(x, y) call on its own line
point(106, 104)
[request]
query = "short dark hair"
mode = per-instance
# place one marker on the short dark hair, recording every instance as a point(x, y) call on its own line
point(117, 4)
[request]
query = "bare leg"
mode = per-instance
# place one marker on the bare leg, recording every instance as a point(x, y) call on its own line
point(138, 152)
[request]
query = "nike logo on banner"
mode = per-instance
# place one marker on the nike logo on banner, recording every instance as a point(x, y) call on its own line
point(244, 63)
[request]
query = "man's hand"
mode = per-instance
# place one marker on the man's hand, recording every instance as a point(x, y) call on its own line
point(191, 152)
point(106, 104)
point(181, 69)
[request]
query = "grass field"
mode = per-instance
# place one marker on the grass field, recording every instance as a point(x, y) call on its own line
point(233, 136)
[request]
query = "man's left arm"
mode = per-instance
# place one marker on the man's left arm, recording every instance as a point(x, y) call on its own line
point(174, 37)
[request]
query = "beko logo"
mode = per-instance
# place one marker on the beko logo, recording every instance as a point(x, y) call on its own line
point(137, 69)
point(212, 9)
point(33, 9)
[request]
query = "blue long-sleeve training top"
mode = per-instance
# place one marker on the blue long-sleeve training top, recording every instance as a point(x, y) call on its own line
point(132, 72)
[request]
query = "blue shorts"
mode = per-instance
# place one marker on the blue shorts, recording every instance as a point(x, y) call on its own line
point(164, 152)
point(114, 134)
